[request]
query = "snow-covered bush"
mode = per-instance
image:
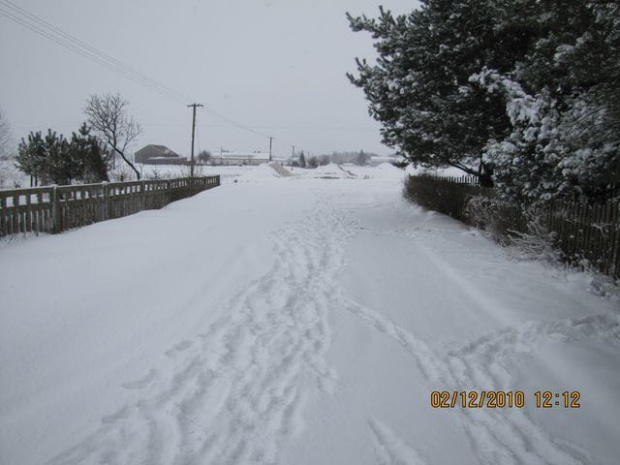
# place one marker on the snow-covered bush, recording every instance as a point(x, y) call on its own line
point(487, 212)
point(520, 227)
point(536, 242)
point(558, 146)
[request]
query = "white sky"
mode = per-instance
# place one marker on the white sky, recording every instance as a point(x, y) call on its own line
point(277, 66)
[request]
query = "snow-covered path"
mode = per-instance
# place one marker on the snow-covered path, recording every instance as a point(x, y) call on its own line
point(296, 320)
point(234, 392)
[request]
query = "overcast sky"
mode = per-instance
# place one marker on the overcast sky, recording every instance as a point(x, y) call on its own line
point(276, 66)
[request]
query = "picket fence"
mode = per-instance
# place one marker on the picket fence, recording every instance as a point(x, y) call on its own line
point(53, 209)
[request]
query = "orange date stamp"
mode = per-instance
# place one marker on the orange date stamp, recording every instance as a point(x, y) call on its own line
point(504, 399)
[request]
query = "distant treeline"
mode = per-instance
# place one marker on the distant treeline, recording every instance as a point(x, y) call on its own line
point(360, 158)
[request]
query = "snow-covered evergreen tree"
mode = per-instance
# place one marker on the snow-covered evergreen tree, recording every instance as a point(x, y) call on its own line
point(31, 158)
point(54, 159)
point(60, 166)
point(562, 105)
point(420, 88)
point(46, 158)
point(520, 92)
point(91, 156)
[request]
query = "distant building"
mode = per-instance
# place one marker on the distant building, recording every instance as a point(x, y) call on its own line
point(239, 158)
point(158, 155)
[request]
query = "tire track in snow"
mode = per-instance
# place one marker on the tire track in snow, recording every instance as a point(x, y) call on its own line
point(236, 391)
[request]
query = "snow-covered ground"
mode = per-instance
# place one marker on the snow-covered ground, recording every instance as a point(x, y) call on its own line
point(227, 173)
point(297, 320)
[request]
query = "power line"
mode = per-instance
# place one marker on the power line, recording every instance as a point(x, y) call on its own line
point(70, 42)
point(47, 30)
point(235, 123)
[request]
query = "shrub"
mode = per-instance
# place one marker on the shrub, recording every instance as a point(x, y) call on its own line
point(500, 218)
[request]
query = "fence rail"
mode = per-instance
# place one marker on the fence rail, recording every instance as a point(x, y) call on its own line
point(585, 233)
point(54, 209)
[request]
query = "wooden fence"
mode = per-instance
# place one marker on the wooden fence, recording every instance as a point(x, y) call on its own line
point(54, 209)
point(465, 179)
point(585, 233)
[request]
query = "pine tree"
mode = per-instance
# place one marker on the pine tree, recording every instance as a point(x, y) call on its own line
point(90, 155)
point(562, 106)
point(420, 88)
point(54, 159)
point(47, 159)
point(521, 93)
point(61, 168)
point(31, 158)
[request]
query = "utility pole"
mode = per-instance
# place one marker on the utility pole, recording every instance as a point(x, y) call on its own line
point(194, 106)
point(270, 144)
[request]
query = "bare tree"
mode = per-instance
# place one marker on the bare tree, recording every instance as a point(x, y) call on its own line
point(108, 117)
point(204, 156)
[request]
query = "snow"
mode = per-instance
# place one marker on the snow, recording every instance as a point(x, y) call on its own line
point(226, 173)
point(296, 319)
point(10, 176)
point(445, 172)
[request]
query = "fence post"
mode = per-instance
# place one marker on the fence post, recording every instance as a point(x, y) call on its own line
point(4, 230)
point(142, 196)
point(105, 209)
point(55, 210)
point(15, 216)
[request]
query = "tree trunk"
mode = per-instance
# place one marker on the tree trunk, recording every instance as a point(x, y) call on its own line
point(128, 162)
point(485, 175)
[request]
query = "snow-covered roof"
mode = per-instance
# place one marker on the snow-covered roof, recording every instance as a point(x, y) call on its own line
point(261, 155)
point(157, 150)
